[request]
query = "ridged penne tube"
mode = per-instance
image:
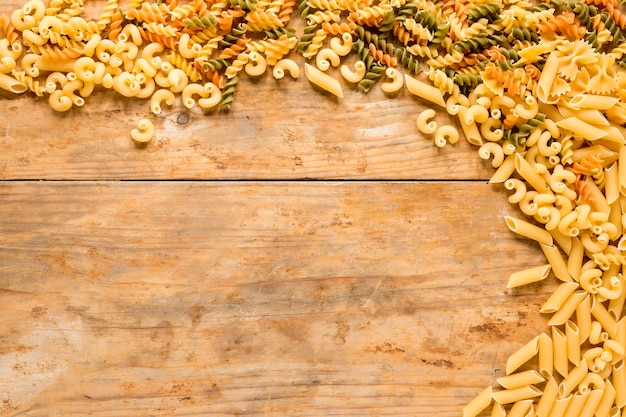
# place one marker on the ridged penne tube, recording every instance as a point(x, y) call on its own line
point(581, 128)
point(504, 171)
point(12, 85)
point(619, 383)
point(528, 276)
point(395, 82)
point(528, 230)
point(478, 404)
point(522, 355)
point(323, 80)
point(559, 345)
point(520, 379)
point(611, 183)
point(470, 130)
point(513, 395)
point(559, 267)
point(546, 355)
point(592, 101)
point(604, 318)
point(498, 410)
point(423, 90)
point(548, 398)
point(567, 309)
point(573, 342)
point(572, 379)
point(560, 406)
point(424, 122)
point(523, 408)
point(288, 65)
point(607, 400)
point(527, 172)
point(583, 319)
point(356, 75)
point(144, 131)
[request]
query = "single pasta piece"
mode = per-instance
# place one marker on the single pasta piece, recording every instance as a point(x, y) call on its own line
point(446, 134)
point(396, 81)
point(286, 64)
point(528, 276)
point(356, 75)
point(424, 122)
point(159, 97)
point(323, 80)
point(423, 90)
point(479, 403)
point(144, 131)
point(325, 58)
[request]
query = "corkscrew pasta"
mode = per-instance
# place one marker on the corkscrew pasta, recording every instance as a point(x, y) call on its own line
point(539, 89)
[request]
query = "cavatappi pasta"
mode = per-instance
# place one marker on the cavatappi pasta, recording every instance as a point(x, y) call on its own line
point(539, 88)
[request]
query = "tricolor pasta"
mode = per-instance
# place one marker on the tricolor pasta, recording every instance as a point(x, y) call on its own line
point(539, 89)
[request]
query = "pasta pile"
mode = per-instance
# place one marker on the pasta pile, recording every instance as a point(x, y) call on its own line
point(540, 89)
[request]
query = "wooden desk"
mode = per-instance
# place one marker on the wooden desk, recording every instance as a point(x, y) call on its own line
point(298, 255)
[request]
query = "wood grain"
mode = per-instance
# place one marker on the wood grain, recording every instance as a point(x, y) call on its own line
point(302, 134)
point(273, 299)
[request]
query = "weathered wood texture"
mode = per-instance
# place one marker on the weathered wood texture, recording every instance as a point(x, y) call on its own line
point(300, 133)
point(274, 299)
point(277, 129)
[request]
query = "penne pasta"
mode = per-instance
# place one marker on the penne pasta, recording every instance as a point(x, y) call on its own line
point(509, 396)
point(528, 276)
point(520, 379)
point(581, 128)
point(423, 90)
point(478, 404)
point(522, 355)
point(323, 80)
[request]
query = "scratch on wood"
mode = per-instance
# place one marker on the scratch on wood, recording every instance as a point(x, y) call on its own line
point(372, 294)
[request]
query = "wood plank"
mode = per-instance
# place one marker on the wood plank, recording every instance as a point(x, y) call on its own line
point(202, 299)
point(277, 129)
point(302, 133)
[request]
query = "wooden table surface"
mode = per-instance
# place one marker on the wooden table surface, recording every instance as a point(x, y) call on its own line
point(298, 255)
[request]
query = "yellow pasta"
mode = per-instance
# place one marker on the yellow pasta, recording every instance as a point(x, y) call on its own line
point(325, 58)
point(288, 65)
point(521, 379)
point(322, 80)
point(356, 75)
point(159, 97)
point(446, 134)
point(423, 90)
point(478, 404)
point(395, 82)
point(513, 395)
point(424, 122)
point(581, 128)
point(144, 131)
point(528, 276)
point(522, 355)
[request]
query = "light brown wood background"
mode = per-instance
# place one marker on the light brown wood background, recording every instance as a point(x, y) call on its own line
point(297, 256)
